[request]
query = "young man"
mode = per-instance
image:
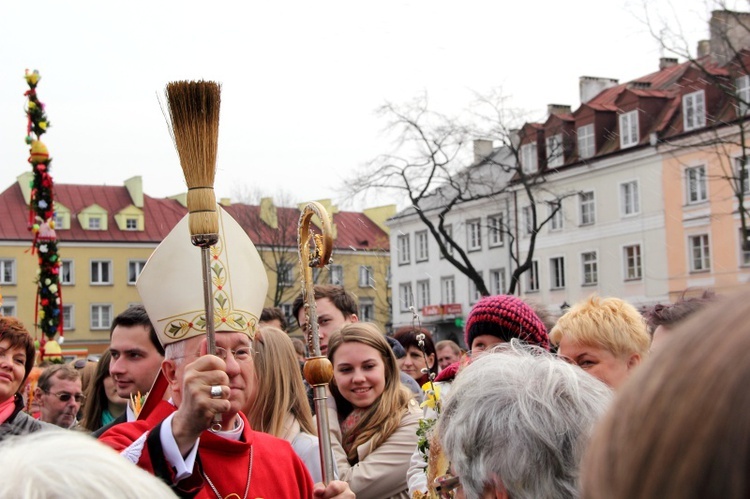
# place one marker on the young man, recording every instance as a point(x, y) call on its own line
point(273, 317)
point(60, 396)
point(172, 439)
point(335, 307)
point(136, 358)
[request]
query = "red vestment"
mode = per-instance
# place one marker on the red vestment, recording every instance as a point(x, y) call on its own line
point(277, 471)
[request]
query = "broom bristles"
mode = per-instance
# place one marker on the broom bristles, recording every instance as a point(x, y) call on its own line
point(194, 116)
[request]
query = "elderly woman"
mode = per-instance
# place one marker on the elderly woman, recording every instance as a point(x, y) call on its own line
point(606, 337)
point(516, 424)
point(16, 360)
point(679, 426)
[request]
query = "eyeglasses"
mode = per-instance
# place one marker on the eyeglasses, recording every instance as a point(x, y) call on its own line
point(241, 354)
point(65, 396)
point(446, 486)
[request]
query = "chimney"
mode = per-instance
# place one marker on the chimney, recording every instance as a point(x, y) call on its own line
point(225, 201)
point(380, 215)
point(591, 86)
point(134, 185)
point(704, 48)
point(729, 34)
point(557, 109)
point(667, 62)
point(268, 213)
point(482, 149)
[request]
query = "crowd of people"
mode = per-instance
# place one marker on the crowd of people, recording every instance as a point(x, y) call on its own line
point(606, 401)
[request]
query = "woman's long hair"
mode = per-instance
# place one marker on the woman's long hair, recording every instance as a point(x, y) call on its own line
point(383, 417)
point(96, 395)
point(278, 385)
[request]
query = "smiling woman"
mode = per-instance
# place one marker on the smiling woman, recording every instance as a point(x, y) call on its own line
point(377, 417)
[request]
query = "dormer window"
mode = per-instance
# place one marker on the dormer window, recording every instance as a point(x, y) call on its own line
point(131, 224)
point(629, 129)
point(743, 94)
point(95, 223)
point(555, 151)
point(586, 144)
point(694, 110)
point(529, 158)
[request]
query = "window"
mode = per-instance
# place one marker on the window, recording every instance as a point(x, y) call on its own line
point(694, 110)
point(67, 272)
point(532, 277)
point(629, 129)
point(629, 201)
point(474, 294)
point(556, 217)
point(423, 294)
point(8, 271)
point(95, 223)
point(700, 257)
point(8, 308)
point(68, 317)
point(287, 309)
point(745, 259)
point(741, 176)
point(529, 158)
point(406, 298)
point(743, 94)
point(588, 208)
point(131, 224)
point(590, 268)
point(474, 233)
point(404, 249)
point(586, 143)
point(101, 316)
point(59, 220)
point(285, 274)
point(366, 278)
point(557, 272)
point(633, 265)
point(528, 220)
point(697, 190)
point(337, 275)
point(497, 281)
point(366, 310)
point(135, 267)
point(101, 272)
point(555, 151)
point(495, 231)
point(447, 290)
point(421, 242)
point(448, 229)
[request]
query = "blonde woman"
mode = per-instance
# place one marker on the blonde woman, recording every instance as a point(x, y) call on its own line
point(277, 402)
point(376, 415)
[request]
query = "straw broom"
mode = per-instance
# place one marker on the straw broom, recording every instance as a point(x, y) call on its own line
point(194, 118)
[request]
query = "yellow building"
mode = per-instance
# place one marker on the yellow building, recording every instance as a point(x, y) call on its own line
point(106, 234)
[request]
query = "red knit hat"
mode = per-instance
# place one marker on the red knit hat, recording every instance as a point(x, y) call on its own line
point(506, 317)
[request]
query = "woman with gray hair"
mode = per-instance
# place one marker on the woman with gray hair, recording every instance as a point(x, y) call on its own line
point(516, 424)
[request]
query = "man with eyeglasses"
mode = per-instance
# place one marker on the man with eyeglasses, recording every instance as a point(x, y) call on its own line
point(60, 396)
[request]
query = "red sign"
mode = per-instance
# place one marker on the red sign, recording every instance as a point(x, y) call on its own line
point(452, 309)
point(449, 309)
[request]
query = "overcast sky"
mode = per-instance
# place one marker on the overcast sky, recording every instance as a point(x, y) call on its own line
point(301, 79)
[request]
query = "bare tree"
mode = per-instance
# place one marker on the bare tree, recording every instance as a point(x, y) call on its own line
point(429, 169)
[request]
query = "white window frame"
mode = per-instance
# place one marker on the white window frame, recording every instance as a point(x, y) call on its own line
point(497, 281)
point(70, 325)
point(629, 130)
point(529, 158)
point(532, 277)
point(404, 249)
point(696, 184)
point(285, 274)
point(474, 294)
point(421, 242)
point(586, 141)
point(136, 265)
point(743, 94)
point(100, 282)
point(527, 219)
point(587, 208)
point(630, 199)
point(700, 254)
point(9, 308)
point(366, 277)
point(8, 271)
point(555, 156)
point(589, 268)
point(632, 259)
point(71, 272)
point(741, 183)
point(95, 319)
point(495, 235)
point(447, 290)
point(557, 272)
point(694, 110)
point(95, 222)
point(405, 296)
point(474, 234)
point(336, 274)
point(448, 228)
point(366, 309)
point(423, 294)
point(131, 224)
point(556, 220)
point(744, 255)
